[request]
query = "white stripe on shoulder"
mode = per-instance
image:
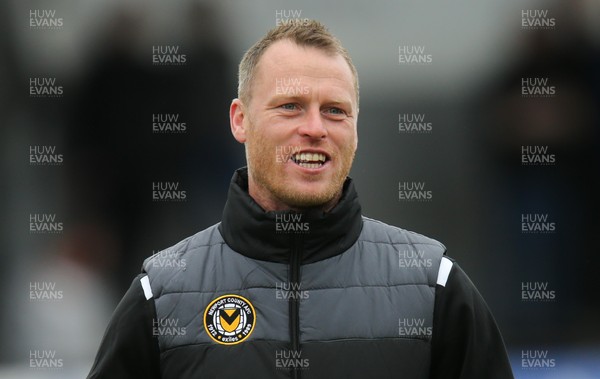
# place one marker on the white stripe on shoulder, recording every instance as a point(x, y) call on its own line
point(444, 271)
point(146, 287)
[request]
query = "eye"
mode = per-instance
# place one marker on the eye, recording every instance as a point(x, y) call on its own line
point(337, 112)
point(289, 107)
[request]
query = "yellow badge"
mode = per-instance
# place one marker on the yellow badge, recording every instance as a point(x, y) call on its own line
point(229, 319)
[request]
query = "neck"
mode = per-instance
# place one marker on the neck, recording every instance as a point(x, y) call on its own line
point(248, 229)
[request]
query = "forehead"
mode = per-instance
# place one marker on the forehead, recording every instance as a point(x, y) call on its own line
point(287, 59)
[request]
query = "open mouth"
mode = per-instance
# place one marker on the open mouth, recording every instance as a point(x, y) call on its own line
point(310, 160)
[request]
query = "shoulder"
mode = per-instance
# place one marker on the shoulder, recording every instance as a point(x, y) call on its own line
point(204, 239)
point(418, 257)
point(379, 232)
point(167, 270)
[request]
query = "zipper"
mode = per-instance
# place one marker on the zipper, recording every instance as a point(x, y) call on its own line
point(294, 306)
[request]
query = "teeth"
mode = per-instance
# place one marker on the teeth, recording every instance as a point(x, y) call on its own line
point(310, 165)
point(310, 157)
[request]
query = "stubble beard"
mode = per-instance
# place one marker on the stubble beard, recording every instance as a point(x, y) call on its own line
point(267, 172)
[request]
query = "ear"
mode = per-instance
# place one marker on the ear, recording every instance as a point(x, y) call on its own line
point(237, 117)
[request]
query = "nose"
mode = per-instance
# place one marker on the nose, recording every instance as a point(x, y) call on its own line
point(312, 125)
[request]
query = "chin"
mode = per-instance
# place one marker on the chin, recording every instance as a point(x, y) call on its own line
point(298, 199)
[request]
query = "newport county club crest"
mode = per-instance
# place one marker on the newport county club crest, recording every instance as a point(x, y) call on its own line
point(229, 319)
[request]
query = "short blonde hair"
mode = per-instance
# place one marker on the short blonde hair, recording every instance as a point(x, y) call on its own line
point(306, 33)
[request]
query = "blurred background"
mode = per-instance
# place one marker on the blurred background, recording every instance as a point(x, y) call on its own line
point(104, 103)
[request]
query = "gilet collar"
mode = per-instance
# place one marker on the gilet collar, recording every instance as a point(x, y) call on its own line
point(271, 236)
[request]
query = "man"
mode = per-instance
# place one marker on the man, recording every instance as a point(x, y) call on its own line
point(295, 282)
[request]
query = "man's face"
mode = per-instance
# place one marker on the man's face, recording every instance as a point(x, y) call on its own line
point(299, 128)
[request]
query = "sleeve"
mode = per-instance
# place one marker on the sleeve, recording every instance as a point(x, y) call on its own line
point(128, 348)
point(466, 342)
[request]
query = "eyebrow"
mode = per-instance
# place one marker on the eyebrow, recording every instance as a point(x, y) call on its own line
point(299, 98)
point(339, 102)
point(281, 97)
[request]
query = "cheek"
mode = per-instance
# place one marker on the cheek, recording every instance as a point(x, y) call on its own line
point(354, 142)
point(272, 134)
point(255, 134)
point(346, 140)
